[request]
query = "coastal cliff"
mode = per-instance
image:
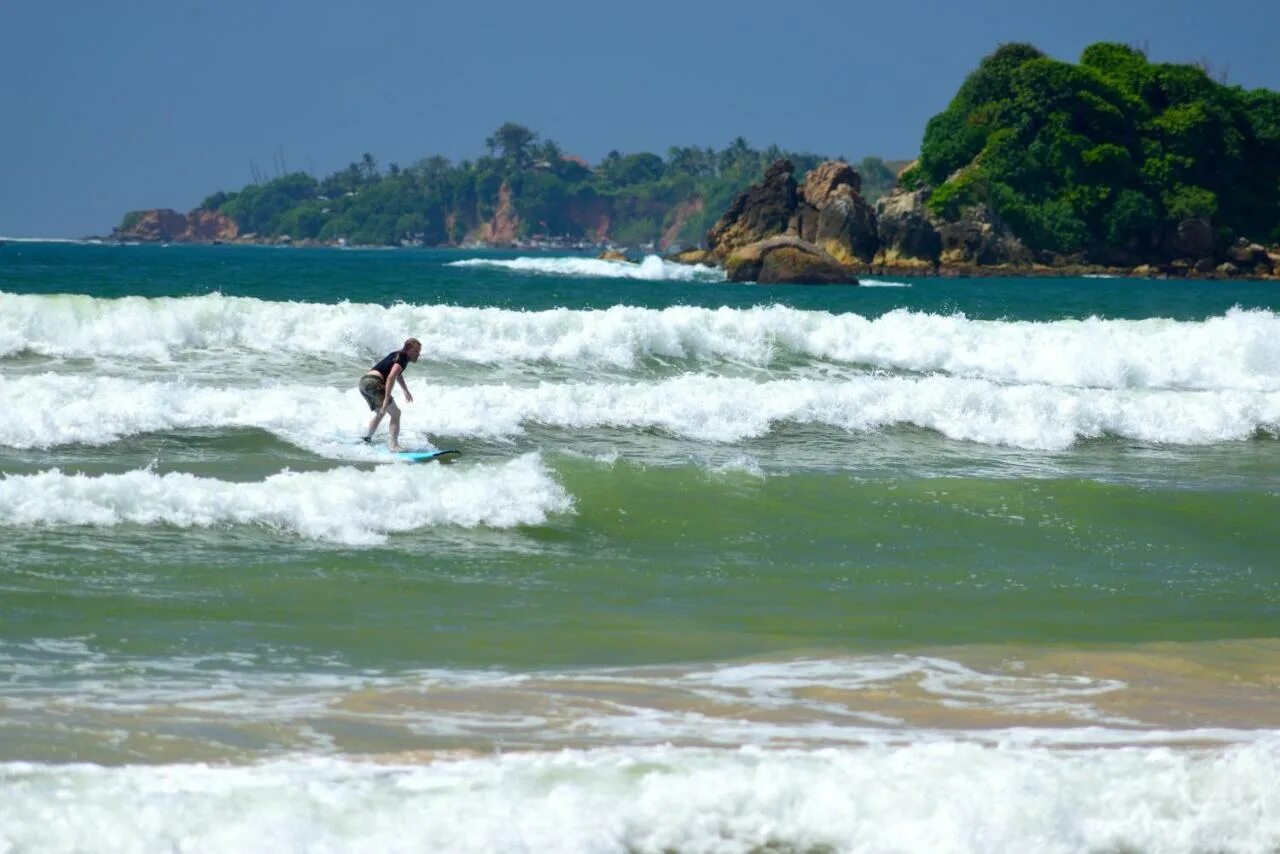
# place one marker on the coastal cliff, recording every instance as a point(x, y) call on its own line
point(164, 225)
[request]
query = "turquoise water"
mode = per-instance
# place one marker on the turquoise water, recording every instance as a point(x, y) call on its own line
point(929, 532)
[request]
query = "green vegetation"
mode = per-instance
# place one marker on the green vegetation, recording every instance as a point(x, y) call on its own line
point(1112, 152)
point(640, 197)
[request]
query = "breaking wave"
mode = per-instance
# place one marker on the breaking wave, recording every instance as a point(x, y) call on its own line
point(650, 269)
point(1239, 350)
point(961, 796)
point(692, 406)
point(344, 505)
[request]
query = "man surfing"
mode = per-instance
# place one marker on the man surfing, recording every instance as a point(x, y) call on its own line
point(375, 387)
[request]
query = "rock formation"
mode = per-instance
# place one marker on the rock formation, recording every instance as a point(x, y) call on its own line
point(786, 260)
point(164, 225)
point(1249, 257)
point(762, 211)
point(980, 239)
point(692, 256)
point(828, 220)
point(908, 234)
point(842, 222)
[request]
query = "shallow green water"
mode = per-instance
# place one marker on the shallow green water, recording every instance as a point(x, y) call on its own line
point(187, 512)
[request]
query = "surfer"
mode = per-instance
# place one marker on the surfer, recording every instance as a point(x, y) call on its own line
point(375, 388)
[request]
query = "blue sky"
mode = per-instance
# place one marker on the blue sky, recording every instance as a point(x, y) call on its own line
point(136, 104)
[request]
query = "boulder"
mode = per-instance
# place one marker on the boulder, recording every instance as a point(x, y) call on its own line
point(821, 184)
point(786, 260)
point(980, 238)
point(613, 255)
point(847, 227)
point(1249, 257)
point(831, 213)
point(764, 210)
point(690, 256)
point(1226, 268)
point(906, 231)
point(1194, 238)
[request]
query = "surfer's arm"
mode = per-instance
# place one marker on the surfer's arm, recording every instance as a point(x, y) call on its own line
point(408, 398)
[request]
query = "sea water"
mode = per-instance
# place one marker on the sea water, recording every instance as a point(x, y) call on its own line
point(931, 565)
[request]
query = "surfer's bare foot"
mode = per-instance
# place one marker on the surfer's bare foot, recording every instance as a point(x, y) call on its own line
point(395, 449)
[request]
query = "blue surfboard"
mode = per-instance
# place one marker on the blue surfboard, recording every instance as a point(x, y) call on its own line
point(426, 456)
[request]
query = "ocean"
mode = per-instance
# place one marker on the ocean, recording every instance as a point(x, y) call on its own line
point(938, 565)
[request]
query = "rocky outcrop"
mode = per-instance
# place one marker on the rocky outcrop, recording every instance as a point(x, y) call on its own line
point(908, 234)
point(821, 184)
point(847, 227)
point(613, 255)
point(164, 225)
point(1249, 258)
point(832, 214)
point(765, 210)
point(902, 234)
point(786, 260)
point(691, 256)
point(827, 213)
point(206, 225)
point(980, 238)
point(161, 225)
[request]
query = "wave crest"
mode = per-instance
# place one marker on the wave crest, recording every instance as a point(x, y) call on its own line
point(650, 269)
point(1236, 351)
point(344, 505)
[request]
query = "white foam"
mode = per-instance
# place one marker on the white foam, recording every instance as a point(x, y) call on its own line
point(694, 406)
point(6, 239)
point(650, 269)
point(943, 797)
point(344, 505)
point(804, 702)
point(1237, 351)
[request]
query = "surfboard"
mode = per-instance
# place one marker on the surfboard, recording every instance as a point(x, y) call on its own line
point(427, 456)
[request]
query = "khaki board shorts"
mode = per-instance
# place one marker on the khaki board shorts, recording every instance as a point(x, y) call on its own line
point(373, 390)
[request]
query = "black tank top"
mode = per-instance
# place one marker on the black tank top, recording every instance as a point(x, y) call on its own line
point(396, 358)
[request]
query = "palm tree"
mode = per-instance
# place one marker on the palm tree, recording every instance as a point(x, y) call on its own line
point(514, 141)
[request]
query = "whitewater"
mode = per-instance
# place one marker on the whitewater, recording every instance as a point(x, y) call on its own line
point(1239, 350)
point(325, 420)
point(925, 565)
point(939, 797)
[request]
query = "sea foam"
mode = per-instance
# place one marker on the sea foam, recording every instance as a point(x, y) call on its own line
point(650, 269)
point(693, 406)
point(344, 505)
point(1239, 350)
point(949, 796)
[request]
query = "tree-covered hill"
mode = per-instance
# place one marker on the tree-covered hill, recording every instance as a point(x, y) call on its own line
point(522, 188)
point(1108, 157)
